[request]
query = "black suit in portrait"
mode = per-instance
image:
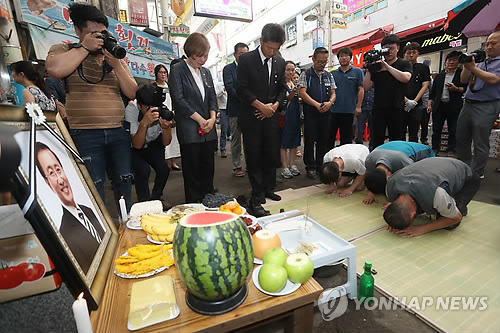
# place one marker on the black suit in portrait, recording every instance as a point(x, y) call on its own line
point(81, 242)
point(448, 111)
point(261, 138)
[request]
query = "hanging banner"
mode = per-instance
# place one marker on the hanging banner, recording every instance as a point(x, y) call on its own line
point(4, 10)
point(318, 38)
point(179, 30)
point(207, 25)
point(56, 18)
point(123, 16)
point(138, 10)
point(139, 66)
point(338, 22)
point(178, 7)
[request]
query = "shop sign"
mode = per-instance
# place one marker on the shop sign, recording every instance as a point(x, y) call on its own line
point(438, 41)
point(138, 10)
point(318, 38)
point(338, 22)
point(354, 5)
point(123, 16)
point(339, 7)
point(179, 30)
point(357, 55)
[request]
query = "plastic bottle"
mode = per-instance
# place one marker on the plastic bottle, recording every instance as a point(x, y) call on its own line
point(366, 282)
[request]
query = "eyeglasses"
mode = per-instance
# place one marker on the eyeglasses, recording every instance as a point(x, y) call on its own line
point(321, 62)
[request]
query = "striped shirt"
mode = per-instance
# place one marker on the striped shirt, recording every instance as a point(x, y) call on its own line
point(92, 106)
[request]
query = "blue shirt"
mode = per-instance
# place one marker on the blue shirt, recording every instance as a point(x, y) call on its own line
point(347, 89)
point(479, 90)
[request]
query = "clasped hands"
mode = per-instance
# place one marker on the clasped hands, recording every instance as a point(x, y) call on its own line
point(265, 111)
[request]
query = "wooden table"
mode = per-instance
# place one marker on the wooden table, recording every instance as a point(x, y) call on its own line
point(112, 315)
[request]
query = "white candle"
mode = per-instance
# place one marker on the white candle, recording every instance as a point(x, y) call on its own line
point(81, 314)
point(123, 209)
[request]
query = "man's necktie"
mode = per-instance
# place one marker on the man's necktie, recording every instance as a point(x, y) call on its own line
point(90, 228)
point(266, 67)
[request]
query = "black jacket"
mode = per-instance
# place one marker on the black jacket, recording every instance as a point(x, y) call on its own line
point(437, 91)
point(253, 84)
point(186, 100)
point(230, 76)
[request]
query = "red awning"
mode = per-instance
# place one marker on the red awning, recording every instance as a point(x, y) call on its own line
point(420, 28)
point(365, 38)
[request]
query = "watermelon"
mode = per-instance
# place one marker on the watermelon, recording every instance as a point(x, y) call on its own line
point(213, 254)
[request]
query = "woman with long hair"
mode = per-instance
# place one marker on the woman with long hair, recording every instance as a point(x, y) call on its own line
point(35, 90)
point(173, 150)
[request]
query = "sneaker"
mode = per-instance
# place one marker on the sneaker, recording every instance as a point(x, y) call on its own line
point(311, 174)
point(238, 173)
point(285, 173)
point(223, 154)
point(481, 177)
point(294, 170)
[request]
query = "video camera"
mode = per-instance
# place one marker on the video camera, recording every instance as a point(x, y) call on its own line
point(111, 45)
point(372, 56)
point(158, 98)
point(479, 56)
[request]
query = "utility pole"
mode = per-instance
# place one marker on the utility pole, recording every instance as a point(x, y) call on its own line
point(325, 9)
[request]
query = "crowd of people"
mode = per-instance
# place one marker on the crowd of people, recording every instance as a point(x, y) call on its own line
point(267, 104)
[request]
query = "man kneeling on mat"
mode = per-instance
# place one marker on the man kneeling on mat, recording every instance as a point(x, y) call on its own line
point(343, 164)
point(438, 186)
point(388, 158)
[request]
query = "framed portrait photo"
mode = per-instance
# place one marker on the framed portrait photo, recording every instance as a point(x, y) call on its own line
point(68, 215)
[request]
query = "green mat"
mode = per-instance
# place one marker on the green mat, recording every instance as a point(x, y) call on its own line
point(464, 262)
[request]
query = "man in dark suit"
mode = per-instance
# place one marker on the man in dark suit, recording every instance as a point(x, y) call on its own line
point(261, 88)
point(445, 102)
point(80, 228)
point(233, 107)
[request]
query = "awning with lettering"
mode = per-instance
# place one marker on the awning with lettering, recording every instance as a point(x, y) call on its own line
point(431, 26)
point(363, 39)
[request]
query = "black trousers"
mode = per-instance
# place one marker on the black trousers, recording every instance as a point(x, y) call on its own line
point(198, 168)
point(390, 118)
point(424, 125)
point(411, 123)
point(261, 144)
point(142, 162)
point(465, 195)
point(448, 112)
point(316, 132)
point(342, 122)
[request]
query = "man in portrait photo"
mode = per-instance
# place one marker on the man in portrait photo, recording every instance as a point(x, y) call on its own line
point(79, 226)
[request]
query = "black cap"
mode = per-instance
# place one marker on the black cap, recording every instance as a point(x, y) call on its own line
point(453, 54)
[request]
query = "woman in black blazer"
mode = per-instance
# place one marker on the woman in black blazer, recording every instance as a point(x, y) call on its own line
point(195, 104)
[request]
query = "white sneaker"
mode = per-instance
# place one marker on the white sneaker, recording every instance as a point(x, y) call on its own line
point(294, 170)
point(285, 173)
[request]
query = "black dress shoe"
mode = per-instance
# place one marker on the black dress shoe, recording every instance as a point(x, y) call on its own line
point(256, 209)
point(273, 196)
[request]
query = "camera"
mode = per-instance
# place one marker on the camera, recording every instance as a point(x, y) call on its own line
point(372, 56)
point(111, 45)
point(158, 98)
point(479, 56)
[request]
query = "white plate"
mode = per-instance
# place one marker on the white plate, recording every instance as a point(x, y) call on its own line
point(132, 221)
point(156, 242)
point(243, 212)
point(197, 205)
point(257, 261)
point(289, 288)
point(251, 217)
point(132, 276)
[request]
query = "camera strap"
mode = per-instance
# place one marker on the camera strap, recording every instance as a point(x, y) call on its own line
point(82, 76)
point(474, 78)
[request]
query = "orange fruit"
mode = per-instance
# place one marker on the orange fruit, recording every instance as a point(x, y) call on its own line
point(232, 205)
point(238, 210)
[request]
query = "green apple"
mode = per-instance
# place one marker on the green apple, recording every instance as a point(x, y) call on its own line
point(299, 267)
point(272, 278)
point(275, 255)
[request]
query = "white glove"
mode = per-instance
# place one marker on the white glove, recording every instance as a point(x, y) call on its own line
point(410, 105)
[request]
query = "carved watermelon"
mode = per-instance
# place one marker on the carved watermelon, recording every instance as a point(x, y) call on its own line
point(213, 254)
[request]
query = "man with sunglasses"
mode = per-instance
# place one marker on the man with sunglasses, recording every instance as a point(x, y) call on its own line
point(150, 134)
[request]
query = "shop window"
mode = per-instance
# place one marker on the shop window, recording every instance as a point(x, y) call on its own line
point(381, 4)
point(291, 30)
point(348, 18)
point(357, 15)
point(369, 9)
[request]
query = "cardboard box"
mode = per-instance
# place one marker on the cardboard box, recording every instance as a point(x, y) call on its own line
point(27, 270)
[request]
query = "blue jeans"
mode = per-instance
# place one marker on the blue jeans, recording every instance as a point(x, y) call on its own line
point(107, 151)
point(225, 132)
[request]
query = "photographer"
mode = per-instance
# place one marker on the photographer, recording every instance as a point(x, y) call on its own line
point(390, 87)
point(94, 78)
point(150, 133)
point(481, 107)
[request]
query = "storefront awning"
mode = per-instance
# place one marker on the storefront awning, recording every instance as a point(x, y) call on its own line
point(421, 28)
point(366, 38)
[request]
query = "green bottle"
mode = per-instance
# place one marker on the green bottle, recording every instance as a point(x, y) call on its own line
point(366, 282)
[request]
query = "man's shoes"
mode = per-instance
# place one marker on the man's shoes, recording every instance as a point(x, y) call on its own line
point(176, 168)
point(425, 142)
point(311, 174)
point(294, 170)
point(223, 154)
point(279, 180)
point(481, 177)
point(256, 209)
point(238, 173)
point(272, 196)
point(285, 173)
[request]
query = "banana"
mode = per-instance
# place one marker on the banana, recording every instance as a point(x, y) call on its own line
point(170, 238)
point(166, 229)
point(157, 218)
point(155, 237)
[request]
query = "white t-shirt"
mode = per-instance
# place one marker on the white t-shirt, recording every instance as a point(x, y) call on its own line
point(353, 155)
point(444, 203)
